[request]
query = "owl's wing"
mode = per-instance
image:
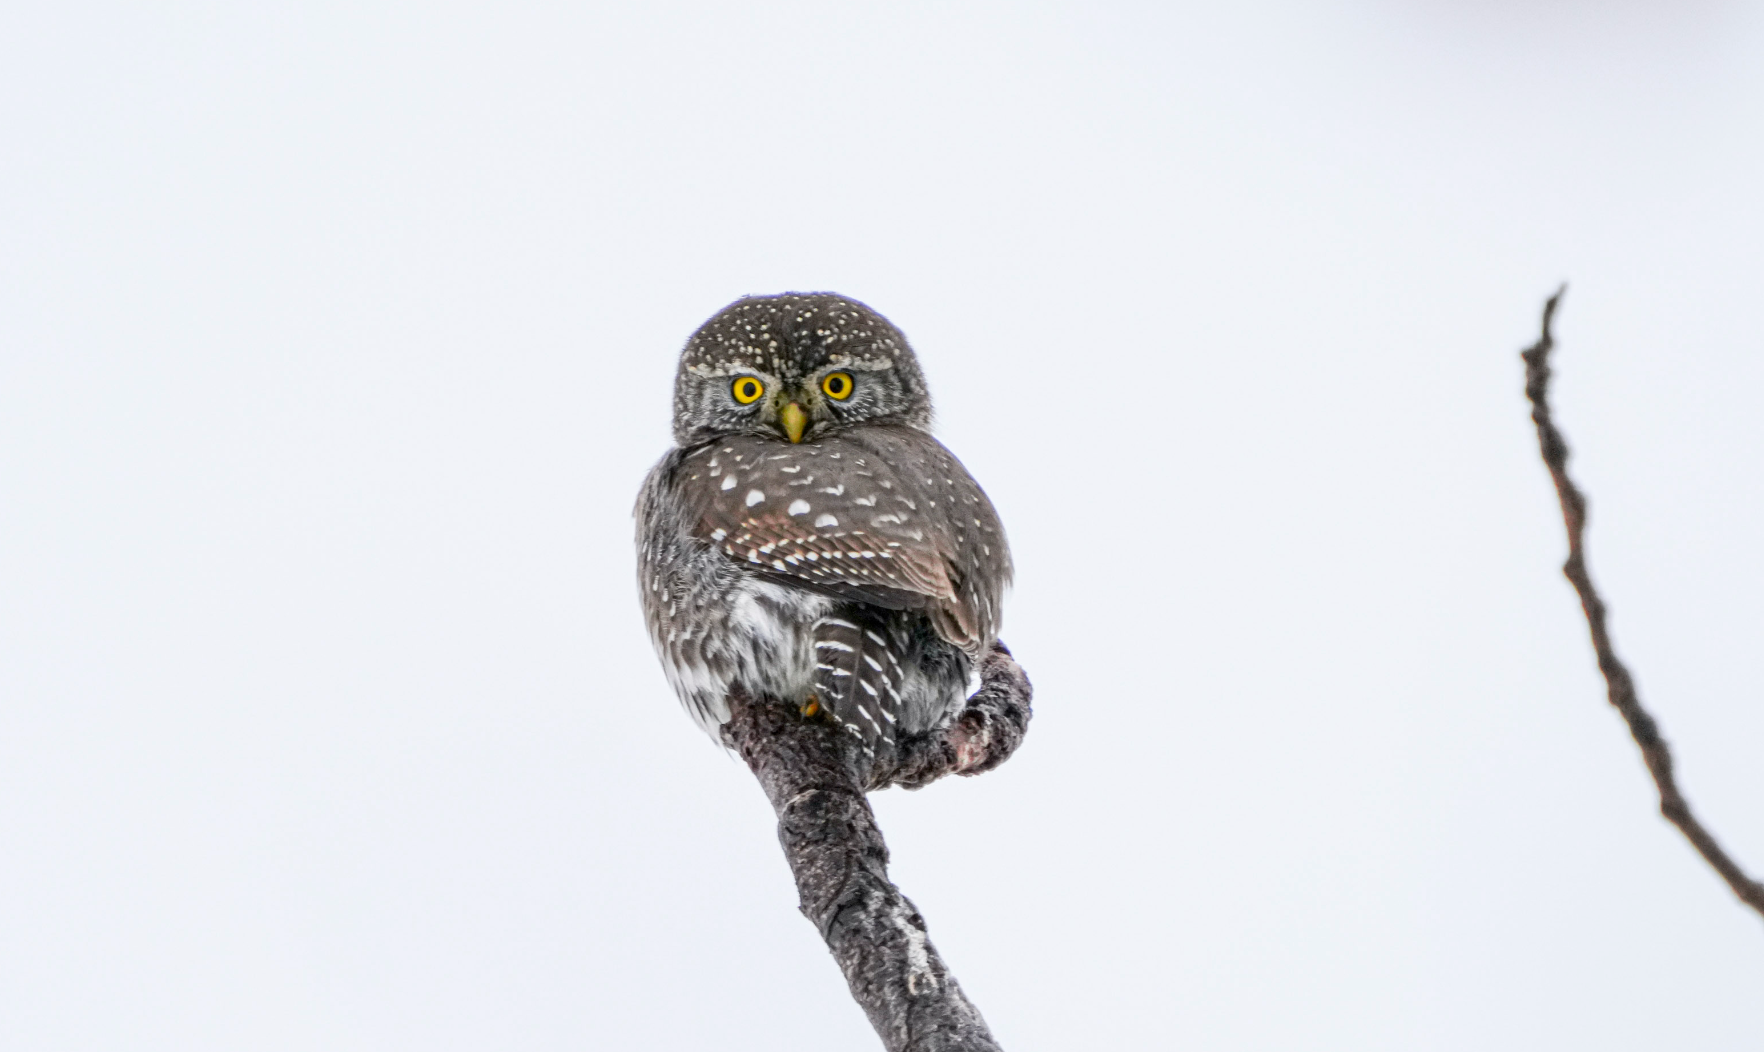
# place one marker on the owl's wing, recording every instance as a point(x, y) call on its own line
point(884, 516)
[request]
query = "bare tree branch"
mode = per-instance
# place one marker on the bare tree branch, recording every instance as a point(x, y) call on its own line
point(816, 776)
point(1619, 684)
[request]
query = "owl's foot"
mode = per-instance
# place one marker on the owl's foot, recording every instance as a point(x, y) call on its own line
point(811, 708)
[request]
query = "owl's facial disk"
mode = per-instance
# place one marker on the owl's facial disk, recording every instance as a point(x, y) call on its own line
point(781, 408)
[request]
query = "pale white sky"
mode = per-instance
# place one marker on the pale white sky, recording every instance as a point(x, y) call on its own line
point(335, 340)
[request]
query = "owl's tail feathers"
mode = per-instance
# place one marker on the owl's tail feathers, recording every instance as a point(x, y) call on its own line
point(857, 677)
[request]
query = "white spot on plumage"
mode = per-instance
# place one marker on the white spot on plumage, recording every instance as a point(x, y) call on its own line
point(797, 507)
point(754, 496)
point(825, 520)
point(729, 481)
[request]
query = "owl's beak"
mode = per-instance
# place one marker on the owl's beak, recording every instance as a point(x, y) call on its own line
point(794, 421)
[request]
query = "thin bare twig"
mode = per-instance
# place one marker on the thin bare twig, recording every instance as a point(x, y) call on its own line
point(816, 776)
point(1619, 684)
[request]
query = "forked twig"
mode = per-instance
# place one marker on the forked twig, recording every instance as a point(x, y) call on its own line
point(1619, 684)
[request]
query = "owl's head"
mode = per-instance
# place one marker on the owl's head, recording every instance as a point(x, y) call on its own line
point(795, 367)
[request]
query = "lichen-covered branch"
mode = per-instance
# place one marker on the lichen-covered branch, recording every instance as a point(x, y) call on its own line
point(1620, 686)
point(816, 776)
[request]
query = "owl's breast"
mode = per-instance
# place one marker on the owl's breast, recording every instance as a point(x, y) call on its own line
point(714, 624)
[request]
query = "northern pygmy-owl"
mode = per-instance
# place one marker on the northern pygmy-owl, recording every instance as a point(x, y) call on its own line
point(807, 538)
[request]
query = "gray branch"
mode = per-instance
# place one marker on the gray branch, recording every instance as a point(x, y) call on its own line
point(816, 776)
point(1619, 685)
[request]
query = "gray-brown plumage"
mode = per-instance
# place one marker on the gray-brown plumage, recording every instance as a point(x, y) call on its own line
point(807, 539)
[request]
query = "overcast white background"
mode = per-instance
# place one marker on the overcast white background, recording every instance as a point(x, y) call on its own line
point(335, 340)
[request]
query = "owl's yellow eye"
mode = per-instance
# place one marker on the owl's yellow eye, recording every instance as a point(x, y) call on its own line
point(747, 390)
point(838, 386)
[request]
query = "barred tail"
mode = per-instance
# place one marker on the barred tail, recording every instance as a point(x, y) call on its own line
point(858, 675)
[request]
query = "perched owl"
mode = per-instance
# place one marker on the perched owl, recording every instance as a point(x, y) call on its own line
point(807, 538)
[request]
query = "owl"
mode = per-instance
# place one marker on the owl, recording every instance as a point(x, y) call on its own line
point(806, 539)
